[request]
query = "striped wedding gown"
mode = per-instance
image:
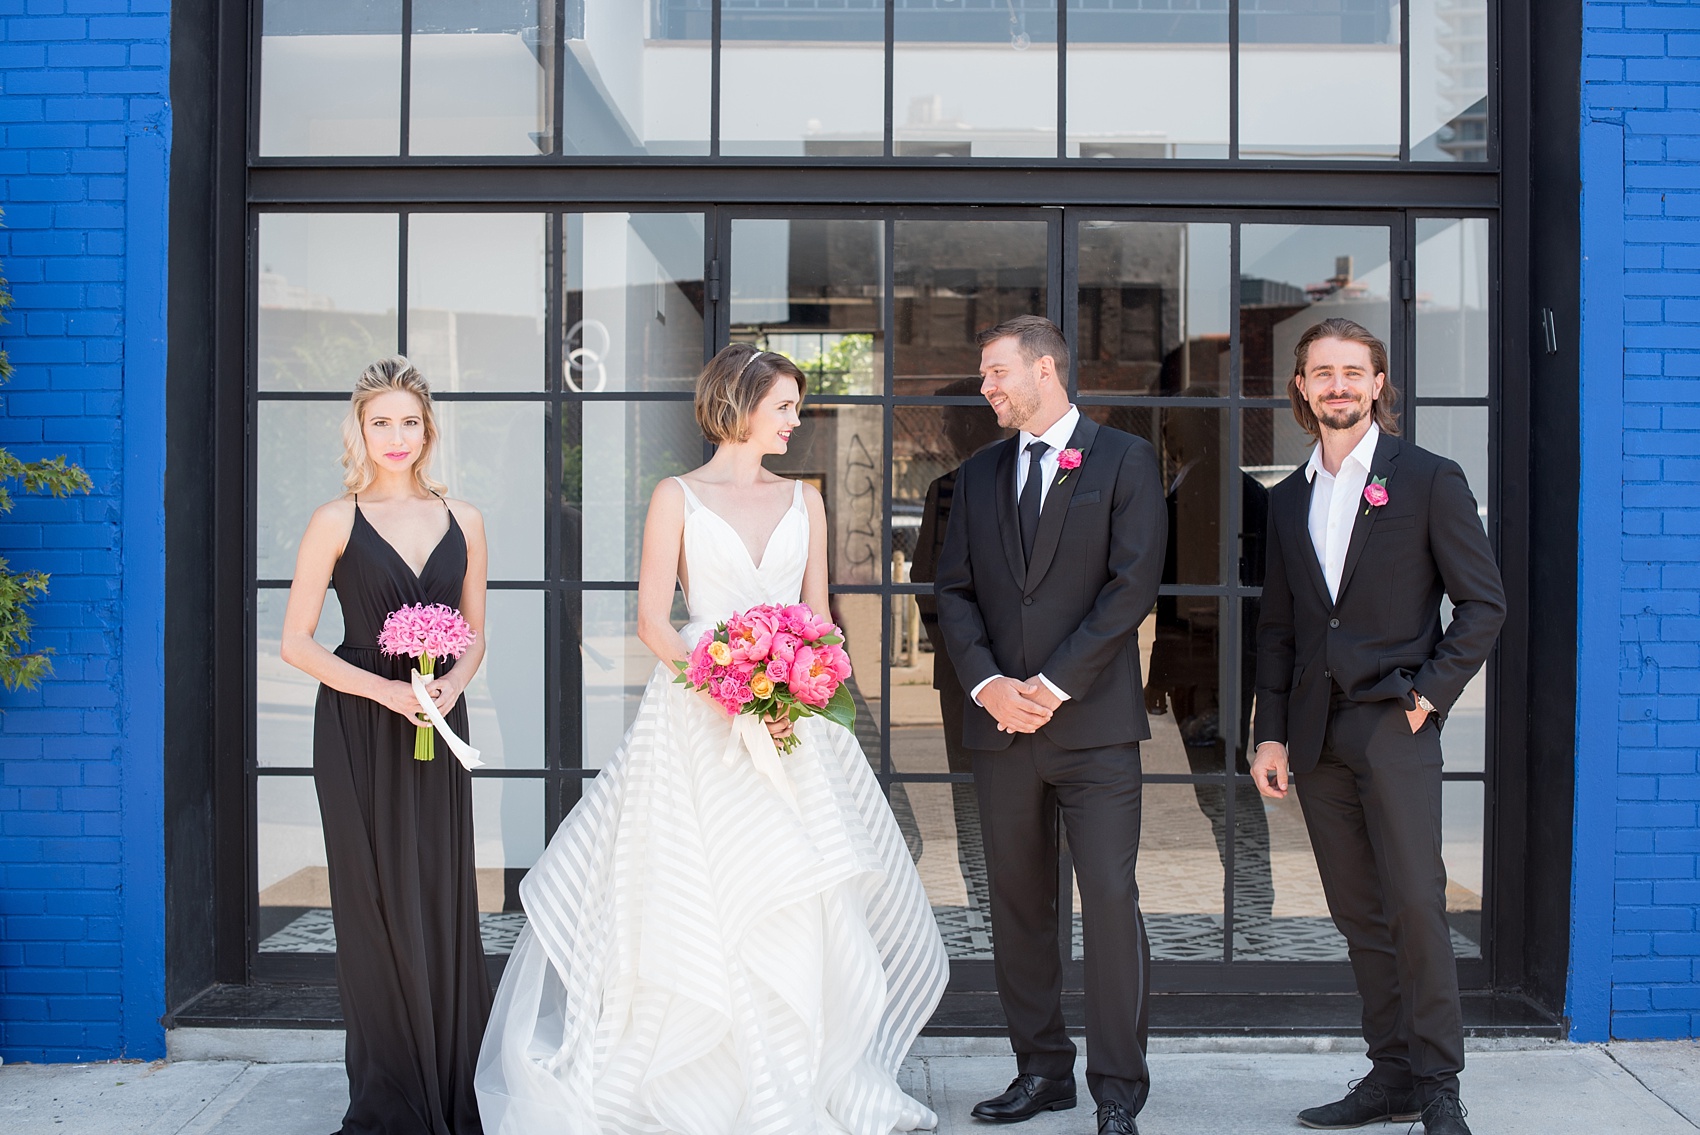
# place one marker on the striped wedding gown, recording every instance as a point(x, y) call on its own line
point(713, 949)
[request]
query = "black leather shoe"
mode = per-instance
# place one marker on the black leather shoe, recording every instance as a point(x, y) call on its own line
point(1444, 1115)
point(1366, 1102)
point(1114, 1119)
point(1027, 1096)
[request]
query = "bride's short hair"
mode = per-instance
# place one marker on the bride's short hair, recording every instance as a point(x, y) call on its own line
point(733, 384)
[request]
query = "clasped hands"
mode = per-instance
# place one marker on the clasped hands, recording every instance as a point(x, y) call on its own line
point(1019, 707)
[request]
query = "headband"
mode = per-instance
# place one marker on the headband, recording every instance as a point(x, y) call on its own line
point(747, 363)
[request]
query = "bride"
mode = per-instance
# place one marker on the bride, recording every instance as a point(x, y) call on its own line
point(713, 946)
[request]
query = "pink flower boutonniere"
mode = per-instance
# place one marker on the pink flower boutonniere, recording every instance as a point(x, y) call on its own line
point(1067, 461)
point(1375, 493)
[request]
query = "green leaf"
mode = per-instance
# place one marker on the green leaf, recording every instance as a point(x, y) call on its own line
point(841, 710)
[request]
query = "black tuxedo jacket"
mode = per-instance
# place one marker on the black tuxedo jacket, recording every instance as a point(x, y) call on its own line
point(1073, 614)
point(1382, 638)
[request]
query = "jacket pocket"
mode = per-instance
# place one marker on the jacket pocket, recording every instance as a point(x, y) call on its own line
point(1084, 498)
point(1392, 662)
point(1394, 523)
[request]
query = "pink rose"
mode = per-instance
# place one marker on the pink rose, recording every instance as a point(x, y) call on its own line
point(785, 646)
point(802, 621)
point(752, 637)
point(1375, 494)
point(701, 664)
point(1068, 459)
point(778, 669)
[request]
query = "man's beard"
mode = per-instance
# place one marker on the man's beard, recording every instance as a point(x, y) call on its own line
point(1019, 408)
point(1342, 419)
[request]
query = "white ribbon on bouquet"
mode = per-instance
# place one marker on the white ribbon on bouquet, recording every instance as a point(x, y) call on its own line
point(463, 752)
point(750, 733)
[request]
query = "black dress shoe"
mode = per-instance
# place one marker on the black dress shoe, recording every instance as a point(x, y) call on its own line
point(1366, 1102)
point(1027, 1096)
point(1444, 1115)
point(1114, 1119)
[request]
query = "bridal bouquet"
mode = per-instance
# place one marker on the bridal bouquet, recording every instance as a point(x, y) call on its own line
point(429, 634)
point(774, 661)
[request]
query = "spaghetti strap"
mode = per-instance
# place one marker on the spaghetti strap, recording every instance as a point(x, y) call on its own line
point(796, 494)
point(691, 501)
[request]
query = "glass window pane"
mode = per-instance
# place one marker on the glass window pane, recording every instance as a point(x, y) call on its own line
point(841, 451)
point(284, 697)
point(1449, 80)
point(508, 837)
point(491, 455)
point(1461, 433)
point(298, 468)
point(330, 78)
point(811, 290)
point(953, 279)
point(1153, 309)
point(613, 456)
point(475, 299)
point(1452, 307)
point(1294, 276)
point(975, 80)
point(1462, 822)
point(327, 294)
point(1288, 922)
point(504, 703)
point(1147, 82)
point(1180, 656)
point(1319, 79)
point(634, 296)
point(928, 443)
point(941, 825)
point(481, 77)
point(1180, 871)
point(865, 638)
point(637, 77)
point(614, 666)
point(830, 66)
point(1271, 446)
point(294, 883)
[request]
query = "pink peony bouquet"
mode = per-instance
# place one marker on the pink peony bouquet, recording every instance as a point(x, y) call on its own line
point(428, 633)
point(772, 660)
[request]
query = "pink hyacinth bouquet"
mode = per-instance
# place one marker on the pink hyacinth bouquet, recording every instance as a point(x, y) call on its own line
point(774, 661)
point(428, 634)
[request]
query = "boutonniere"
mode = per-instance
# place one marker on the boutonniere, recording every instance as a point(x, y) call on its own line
point(1067, 461)
point(1375, 493)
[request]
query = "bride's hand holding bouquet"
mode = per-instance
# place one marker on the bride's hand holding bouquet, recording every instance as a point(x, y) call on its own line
point(781, 664)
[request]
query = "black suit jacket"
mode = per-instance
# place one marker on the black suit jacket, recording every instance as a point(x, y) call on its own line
point(1382, 638)
point(1073, 614)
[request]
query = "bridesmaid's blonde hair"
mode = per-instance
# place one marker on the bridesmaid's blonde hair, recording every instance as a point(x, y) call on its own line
point(381, 377)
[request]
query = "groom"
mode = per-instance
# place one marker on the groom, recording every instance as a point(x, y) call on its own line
point(1050, 563)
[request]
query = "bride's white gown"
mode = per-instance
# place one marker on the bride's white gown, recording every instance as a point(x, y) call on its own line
point(711, 949)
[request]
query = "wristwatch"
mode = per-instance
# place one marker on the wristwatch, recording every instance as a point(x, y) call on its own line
point(1423, 703)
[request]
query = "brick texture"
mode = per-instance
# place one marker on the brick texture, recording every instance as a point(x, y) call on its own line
point(79, 81)
point(1641, 76)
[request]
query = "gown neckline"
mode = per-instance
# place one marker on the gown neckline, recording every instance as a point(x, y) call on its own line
point(757, 564)
point(418, 576)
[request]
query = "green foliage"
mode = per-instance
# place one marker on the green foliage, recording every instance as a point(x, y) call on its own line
point(846, 367)
point(19, 589)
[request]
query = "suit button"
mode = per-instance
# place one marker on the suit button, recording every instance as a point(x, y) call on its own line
point(1328, 673)
point(1333, 623)
point(1027, 601)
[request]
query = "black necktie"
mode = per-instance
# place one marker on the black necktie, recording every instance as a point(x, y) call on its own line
point(1029, 504)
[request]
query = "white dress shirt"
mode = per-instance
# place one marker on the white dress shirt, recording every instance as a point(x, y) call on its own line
point(1057, 437)
point(1335, 501)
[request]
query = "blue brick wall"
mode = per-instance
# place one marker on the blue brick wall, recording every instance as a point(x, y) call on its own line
point(1636, 939)
point(84, 137)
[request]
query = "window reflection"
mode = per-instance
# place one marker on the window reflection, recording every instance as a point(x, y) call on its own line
point(327, 297)
point(1449, 80)
point(1148, 82)
point(636, 77)
point(1319, 79)
point(811, 290)
point(1452, 306)
point(330, 78)
point(284, 697)
point(634, 301)
point(481, 77)
point(475, 299)
point(1153, 309)
point(491, 454)
point(827, 67)
point(953, 279)
point(1294, 276)
point(613, 455)
point(297, 468)
point(975, 81)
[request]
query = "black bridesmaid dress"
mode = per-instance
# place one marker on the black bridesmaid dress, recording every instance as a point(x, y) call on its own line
point(398, 840)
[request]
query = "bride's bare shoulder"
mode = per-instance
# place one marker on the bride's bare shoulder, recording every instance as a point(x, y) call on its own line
point(668, 498)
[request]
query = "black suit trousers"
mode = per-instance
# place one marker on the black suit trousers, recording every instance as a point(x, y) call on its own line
point(1022, 790)
point(1372, 806)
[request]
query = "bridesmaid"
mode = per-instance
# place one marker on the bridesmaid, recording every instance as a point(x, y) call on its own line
point(398, 832)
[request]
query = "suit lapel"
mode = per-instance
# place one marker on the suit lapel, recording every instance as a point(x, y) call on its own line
point(1381, 465)
point(1057, 499)
point(1009, 524)
point(1298, 522)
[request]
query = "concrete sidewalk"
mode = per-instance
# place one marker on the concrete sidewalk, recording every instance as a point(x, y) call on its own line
point(1201, 1087)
